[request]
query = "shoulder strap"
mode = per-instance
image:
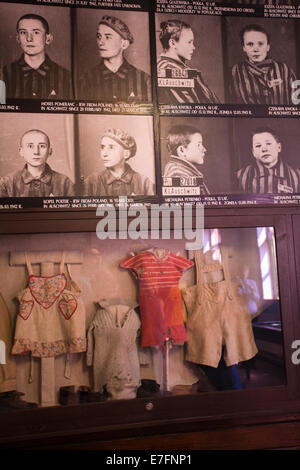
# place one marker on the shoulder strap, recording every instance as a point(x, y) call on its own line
point(72, 282)
point(224, 254)
point(28, 264)
point(199, 262)
point(227, 277)
point(62, 261)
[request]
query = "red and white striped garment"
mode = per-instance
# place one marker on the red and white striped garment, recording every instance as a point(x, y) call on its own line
point(159, 295)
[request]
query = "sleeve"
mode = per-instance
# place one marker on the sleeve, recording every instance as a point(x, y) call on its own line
point(181, 263)
point(234, 91)
point(90, 346)
point(129, 263)
point(149, 188)
point(69, 189)
point(5, 184)
point(132, 263)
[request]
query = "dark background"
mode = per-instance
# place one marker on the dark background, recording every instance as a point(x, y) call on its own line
point(60, 26)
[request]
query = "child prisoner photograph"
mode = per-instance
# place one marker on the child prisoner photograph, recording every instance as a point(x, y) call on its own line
point(35, 51)
point(116, 155)
point(262, 60)
point(189, 59)
point(267, 161)
point(196, 155)
point(113, 56)
point(36, 155)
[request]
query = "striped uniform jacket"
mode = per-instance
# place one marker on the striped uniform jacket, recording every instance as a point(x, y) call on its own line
point(128, 84)
point(106, 184)
point(179, 168)
point(269, 82)
point(256, 178)
point(200, 93)
point(23, 184)
point(50, 80)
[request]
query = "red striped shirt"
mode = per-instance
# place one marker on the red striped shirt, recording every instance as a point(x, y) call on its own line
point(154, 271)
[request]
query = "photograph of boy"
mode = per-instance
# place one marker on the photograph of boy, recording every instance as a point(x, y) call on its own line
point(118, 178)
point(36, 178)
point(114, 78)
point(187, 151)
point(35, 75)
point(179, 82)
point(269, 172)
point(260, 79)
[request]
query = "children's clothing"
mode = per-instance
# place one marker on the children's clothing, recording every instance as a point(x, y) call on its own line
point(51, 317)
point(112, 348)
point(218, 316)
point(159, 295)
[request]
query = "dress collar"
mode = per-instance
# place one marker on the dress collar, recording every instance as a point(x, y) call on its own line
point(43, 69)
point(44, 178)
point(126, 177)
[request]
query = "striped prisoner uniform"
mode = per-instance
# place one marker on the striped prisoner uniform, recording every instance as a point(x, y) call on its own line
point(23, 184)
point(257, 178)
point(50, 80)
point(159, 295)
point(128, 84)
point(269, 82)
point(106, 184)
point(200, 93)
point(179, 168)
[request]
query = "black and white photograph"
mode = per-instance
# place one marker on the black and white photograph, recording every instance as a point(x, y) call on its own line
point(197, 156)
point(116, 155)
point(268, 162)
point(262, 60)
point(35, 51)
point(189, 59)
point(113, 56)
point(36, 155)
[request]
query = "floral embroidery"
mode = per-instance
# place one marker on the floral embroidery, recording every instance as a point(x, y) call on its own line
point(67, 306)
point(25, 308)
point(47, 348)
point(45, 290)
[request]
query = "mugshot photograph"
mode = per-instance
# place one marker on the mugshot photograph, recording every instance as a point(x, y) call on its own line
point(35, 47)
point(267, 161)
point(262, 60)
point(113, 56)
point(196, 156)
point(186, 67)
point(116, 155)
point(36, 155)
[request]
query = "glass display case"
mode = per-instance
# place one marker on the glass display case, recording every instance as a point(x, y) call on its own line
point(129, 363)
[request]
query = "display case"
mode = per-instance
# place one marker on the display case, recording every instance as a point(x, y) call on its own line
point(149, 219)
point(170, 391)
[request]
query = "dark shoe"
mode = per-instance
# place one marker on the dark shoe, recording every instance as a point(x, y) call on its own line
point(87, 396)
point(67, 395)
point(12, 401)
point(149, 388)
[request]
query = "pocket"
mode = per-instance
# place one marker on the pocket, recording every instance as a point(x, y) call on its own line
point(25, 309)
point(67, 306)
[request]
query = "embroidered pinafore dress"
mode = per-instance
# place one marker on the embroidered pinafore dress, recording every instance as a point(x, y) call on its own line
point(51, 316)
point(218, 317)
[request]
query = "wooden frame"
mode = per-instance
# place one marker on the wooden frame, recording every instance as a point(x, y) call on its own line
point(90, 425)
